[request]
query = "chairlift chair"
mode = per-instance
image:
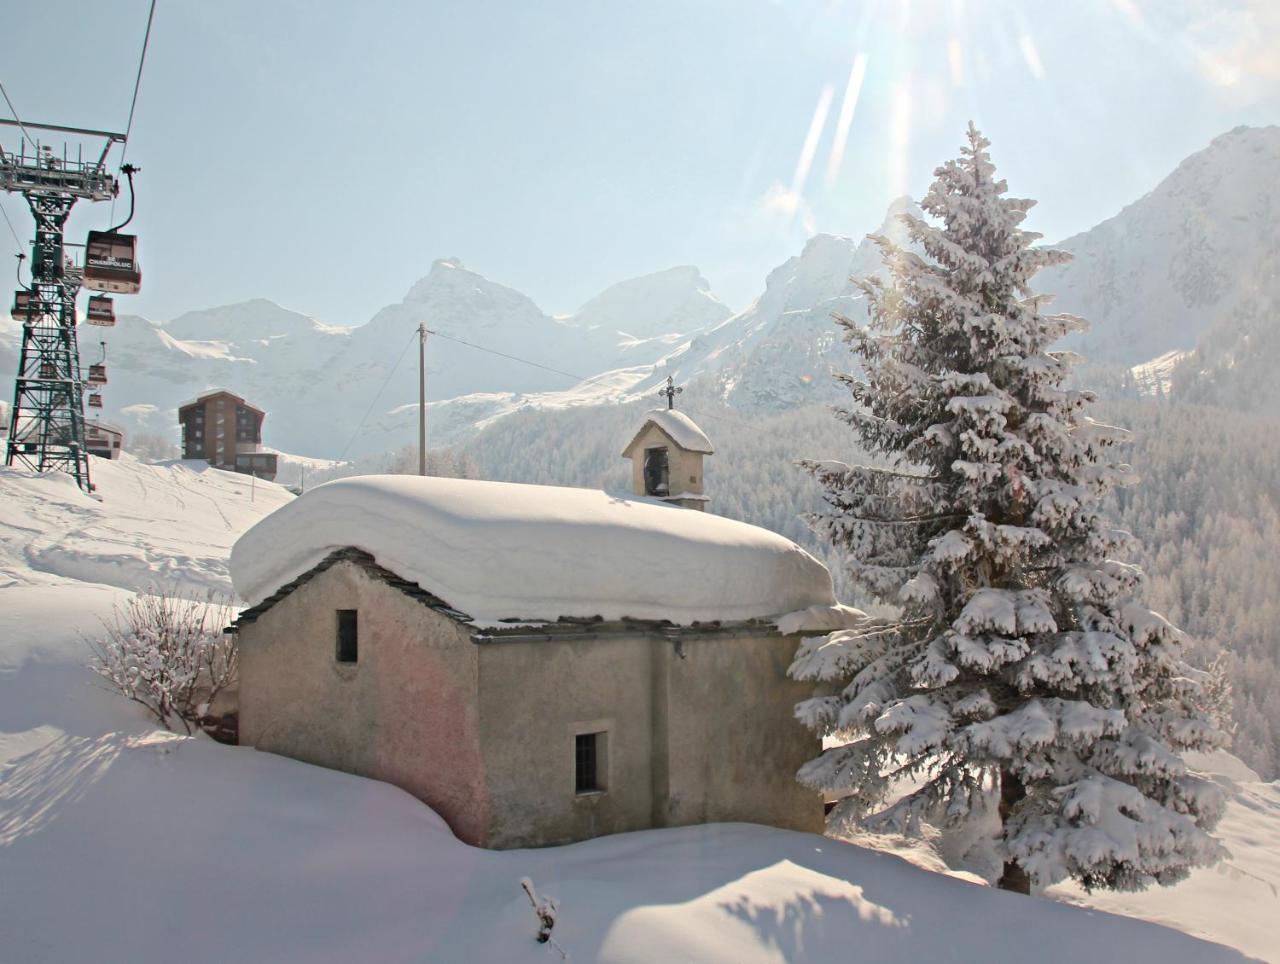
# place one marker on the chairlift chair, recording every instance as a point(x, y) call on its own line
point(111, 262)
point(101, 311)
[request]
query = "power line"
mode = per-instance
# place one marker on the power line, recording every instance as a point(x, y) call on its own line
point(386, 381)
point(14, 111)
point(523, 361)
point(557, 371)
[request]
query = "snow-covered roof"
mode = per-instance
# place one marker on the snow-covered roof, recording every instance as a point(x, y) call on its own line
point(680, 427)
point(500, 550)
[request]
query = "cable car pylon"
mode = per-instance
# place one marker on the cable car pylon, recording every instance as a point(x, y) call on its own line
point(47, 424)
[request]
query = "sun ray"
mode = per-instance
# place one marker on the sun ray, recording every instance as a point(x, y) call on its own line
point(847, 107)
point(810, 148)
point(1031, 56)
point(955, 62)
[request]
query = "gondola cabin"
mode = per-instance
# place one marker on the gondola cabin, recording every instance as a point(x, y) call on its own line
point(101, 311)
point(95, 400)
point(111, 262)
point(23, 301)
point(97, 374)
point(48, 371)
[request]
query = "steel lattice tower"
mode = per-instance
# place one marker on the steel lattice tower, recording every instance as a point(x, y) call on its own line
point(46, 428)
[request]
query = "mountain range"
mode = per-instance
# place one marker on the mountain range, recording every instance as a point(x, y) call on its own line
point(1190, 268)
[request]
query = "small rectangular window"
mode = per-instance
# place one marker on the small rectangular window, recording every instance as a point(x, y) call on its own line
point(589, 762)
point(348, 636)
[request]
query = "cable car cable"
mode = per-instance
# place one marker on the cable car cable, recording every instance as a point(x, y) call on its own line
point(14, 111)
point(12, 230)
point(133, 104)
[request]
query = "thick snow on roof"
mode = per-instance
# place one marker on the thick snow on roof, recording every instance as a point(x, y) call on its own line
point(499, 550)
point(683, 430)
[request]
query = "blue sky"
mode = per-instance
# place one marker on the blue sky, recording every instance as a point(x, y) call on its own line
point(323, 154)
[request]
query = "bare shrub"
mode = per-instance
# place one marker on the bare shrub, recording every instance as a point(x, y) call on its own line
point(167, 652)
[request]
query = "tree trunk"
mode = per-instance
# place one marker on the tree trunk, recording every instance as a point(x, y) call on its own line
point(1012, 792)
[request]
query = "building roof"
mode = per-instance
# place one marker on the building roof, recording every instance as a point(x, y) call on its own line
point(679, 427)
point(503, 552)
point(221, 392)
point(104, 428)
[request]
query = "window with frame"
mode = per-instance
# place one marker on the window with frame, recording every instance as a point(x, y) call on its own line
point(348, 650)
point(589, 759)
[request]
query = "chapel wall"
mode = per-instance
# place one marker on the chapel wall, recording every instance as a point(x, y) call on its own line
point(733, 742)
point(535, 695)
point(404, 712)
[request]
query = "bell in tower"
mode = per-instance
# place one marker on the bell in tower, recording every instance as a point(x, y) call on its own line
point(666, 455)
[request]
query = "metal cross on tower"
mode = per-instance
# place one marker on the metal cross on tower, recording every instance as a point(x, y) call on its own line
point(670, 392)
point(46, 428)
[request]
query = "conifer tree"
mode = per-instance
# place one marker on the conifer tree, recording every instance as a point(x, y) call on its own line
point(1022, 686)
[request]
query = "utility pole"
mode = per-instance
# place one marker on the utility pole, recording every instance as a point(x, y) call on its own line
point(422, 398)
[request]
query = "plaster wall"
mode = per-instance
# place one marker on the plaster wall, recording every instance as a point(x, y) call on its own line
point(733, 744)
point(403, 713)
point(535, 697)
point(700, 730)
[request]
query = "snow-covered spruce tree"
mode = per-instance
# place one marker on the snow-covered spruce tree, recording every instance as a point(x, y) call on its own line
point(1023, 683)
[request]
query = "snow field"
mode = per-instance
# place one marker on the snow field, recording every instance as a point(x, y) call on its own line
point(119, 842)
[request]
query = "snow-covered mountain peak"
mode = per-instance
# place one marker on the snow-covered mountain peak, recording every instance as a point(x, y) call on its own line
point(675, 301)
point(822, 271)
point(246, 320)
point(1153, 277)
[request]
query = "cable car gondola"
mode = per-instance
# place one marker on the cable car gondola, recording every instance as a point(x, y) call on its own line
point(111, 262)
point(22, 301)
point(101, 311)
point(98, 372)
point(95, 400)
point(111, 258)
point(48, 371)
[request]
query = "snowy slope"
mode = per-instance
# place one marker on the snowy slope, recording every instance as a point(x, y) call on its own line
point(120, 843)
point(1155, 377)
point(149, 524)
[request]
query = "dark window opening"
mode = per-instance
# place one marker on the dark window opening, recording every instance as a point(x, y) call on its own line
point(588, 753)
point(656, 481)
point(348, 636)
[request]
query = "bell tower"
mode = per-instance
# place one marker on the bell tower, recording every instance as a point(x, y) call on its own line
point(666, 455)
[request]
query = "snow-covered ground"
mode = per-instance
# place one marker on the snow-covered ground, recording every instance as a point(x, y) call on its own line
point(149, 524)
point(119, 842)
